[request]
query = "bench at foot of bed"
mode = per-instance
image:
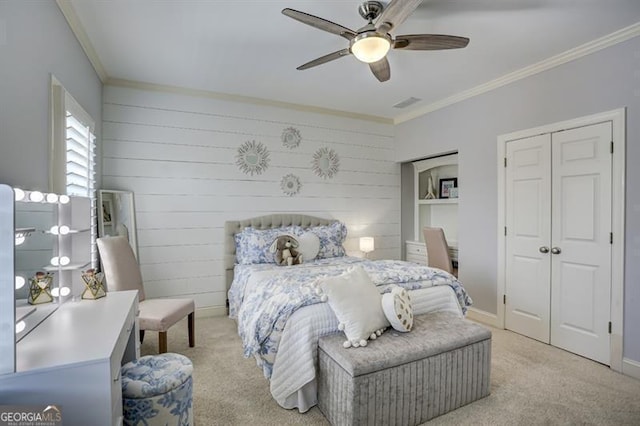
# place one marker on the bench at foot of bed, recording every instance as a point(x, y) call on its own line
point(405, 378)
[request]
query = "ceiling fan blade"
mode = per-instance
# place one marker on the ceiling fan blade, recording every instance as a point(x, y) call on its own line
point(324, 59)
point(429, 42)
point(381, 69)
point(395, 14)
point(319, 23)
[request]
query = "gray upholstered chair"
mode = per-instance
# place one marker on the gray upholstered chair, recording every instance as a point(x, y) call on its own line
point(437, 249)
point(122, 272)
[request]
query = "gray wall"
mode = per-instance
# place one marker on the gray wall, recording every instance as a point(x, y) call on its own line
point(602, 81)
point(35, 42)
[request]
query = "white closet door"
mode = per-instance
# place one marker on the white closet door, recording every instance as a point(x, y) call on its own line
point(528, 220)
point(581, 272)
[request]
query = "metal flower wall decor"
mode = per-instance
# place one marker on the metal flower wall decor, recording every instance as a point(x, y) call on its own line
point(325, 163)
point(252, 157)
point(290, 184)
point(291, 137)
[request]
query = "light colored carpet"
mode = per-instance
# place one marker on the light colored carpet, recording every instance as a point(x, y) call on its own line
point(531, 384)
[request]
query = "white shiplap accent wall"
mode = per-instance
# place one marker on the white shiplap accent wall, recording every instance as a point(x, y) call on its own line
point(177, 153)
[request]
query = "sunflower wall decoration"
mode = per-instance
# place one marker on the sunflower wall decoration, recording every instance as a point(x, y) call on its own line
point(252, 157)
point(290, 185)
point(325, 163)
point(291, 137)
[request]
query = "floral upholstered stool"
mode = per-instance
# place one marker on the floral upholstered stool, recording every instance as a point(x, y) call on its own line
point(157, 390)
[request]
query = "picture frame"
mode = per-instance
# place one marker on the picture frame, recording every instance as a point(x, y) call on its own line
point(446, 185)
point(107, 212)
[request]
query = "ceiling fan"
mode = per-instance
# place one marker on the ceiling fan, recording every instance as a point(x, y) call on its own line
point(371, 43)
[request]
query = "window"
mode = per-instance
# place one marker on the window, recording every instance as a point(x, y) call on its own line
point(72, 170)
point(80, 148)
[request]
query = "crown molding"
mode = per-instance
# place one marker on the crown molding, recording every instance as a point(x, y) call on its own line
point(552, 62)
point(70, 15)
point(246, 99)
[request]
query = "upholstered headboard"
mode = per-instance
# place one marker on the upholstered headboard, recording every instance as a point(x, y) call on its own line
point(231, 228)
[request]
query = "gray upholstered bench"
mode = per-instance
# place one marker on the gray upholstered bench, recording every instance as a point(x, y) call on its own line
point(405, 378)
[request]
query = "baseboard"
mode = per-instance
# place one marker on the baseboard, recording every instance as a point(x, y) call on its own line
point(483, 317)
point(631, 368)
point(211, 311)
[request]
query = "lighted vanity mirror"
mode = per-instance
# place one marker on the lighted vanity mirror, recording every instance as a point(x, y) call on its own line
point(116, 216)
point(36, 243)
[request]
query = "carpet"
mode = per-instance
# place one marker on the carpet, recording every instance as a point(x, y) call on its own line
point(531, 384)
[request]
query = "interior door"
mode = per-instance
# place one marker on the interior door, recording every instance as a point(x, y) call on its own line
point(528, 221)
point(581, 247)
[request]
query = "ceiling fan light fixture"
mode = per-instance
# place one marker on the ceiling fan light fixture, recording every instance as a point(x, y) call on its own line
point(370, 47)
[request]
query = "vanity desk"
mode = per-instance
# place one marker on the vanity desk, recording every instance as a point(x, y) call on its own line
point(73, 359)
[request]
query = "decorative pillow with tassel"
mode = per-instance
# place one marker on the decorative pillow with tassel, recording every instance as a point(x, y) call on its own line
point(355, 300)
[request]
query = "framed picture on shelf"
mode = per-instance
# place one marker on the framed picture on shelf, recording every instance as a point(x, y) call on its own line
point(446, 185)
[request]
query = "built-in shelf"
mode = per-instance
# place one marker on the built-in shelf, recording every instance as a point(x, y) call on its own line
point(71, 231)
point(434, 212)
point(439, 201)
point(69, 267)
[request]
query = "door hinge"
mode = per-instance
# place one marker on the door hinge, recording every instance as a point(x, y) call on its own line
point(505, 161)
point(505, 231)
point(609, 327)
point(504, 299)
point(610, 237)
point(612, 147)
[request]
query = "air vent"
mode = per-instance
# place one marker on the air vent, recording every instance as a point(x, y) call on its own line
point(407, 102)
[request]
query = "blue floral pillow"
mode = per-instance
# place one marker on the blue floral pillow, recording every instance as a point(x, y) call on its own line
point(331, 238)
point(252, 245)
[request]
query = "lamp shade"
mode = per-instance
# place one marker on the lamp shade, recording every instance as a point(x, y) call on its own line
point(366, 244)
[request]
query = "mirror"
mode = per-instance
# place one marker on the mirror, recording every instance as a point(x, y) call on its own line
point(35, 244)
point(116, 216)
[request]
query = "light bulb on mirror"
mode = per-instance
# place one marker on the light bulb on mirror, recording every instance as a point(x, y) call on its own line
point(20, 326)
point(20, 282)
point(52, 198)
point(60, 291)
point(63, 230)
point(55, 261)
point(36, 196)
point(64, 261)
point(20, 239)
point(18, 194)
point(64, 199)
point(54, 230)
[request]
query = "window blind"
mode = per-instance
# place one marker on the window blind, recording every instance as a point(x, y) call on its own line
point(80, 162)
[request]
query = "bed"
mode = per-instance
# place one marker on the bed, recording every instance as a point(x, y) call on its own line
point(280, 317)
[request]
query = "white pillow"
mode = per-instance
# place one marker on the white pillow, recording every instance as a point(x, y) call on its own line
point(308, 246)
point(397, 308)
point(357, 304)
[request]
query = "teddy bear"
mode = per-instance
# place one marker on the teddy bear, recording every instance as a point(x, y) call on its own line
point(285, 249)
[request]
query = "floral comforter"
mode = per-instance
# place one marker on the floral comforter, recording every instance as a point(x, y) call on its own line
point(263, 297)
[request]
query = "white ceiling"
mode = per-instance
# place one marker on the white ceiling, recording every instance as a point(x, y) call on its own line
point(248, 48)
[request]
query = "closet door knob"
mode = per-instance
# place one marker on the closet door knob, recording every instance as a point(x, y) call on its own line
point(544, 249)
point(556, 250)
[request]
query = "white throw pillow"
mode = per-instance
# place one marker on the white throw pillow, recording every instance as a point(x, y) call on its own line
point(308, 246)
point(357, 304)
point(397, 308)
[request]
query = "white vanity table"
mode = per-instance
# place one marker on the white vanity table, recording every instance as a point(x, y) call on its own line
point(70, 352)
point(73, 358)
